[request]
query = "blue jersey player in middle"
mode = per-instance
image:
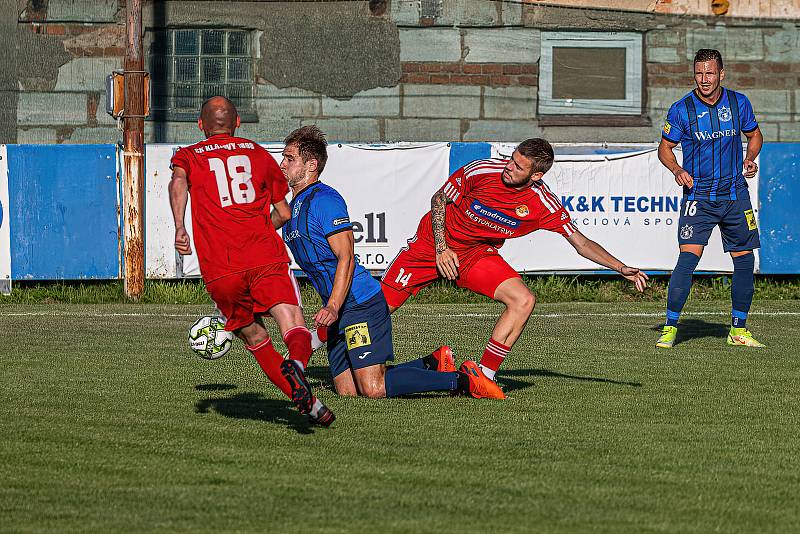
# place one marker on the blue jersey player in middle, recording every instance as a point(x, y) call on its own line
point(708, 123)
point(359, 327)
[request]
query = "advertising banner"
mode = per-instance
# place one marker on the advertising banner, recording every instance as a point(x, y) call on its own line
point(387, 189)
point(626, 200)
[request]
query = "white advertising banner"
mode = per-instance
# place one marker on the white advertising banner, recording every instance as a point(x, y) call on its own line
point(5, 230)
point(387, 189)
point(627, 201)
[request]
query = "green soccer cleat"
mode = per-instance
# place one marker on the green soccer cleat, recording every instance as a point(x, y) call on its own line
point(667, 339)
point(741, 337)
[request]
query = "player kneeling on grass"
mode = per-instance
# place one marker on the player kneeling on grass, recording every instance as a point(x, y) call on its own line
point(359, 328)
point(244, 264)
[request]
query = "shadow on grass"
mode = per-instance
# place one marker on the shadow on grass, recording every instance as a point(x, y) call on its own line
point(697, 329)
point(506, 380)
point(256, 407)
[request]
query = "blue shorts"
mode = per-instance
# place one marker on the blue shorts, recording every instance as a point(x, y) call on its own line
point(735, 219)
point(363, 336)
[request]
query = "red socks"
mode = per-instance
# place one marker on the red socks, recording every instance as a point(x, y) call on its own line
point(270, 362)
point(493, 357)
point(298, 341)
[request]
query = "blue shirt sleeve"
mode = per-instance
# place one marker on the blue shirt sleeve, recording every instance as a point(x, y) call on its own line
point(747, 118)
point(674, 125)
point(331, 213)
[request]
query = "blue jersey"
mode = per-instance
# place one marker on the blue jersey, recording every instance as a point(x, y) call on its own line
point(318, 212)
point(711, 140)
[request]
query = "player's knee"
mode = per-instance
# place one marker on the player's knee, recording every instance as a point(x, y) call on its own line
point(374, 390)
point(523, 303)
point(346, 391)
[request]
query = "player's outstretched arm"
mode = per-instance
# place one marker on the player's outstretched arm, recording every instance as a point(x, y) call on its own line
point(594, 251)
point(754, 142)
point(178, 197)
point(446, 259)
point(668, 159)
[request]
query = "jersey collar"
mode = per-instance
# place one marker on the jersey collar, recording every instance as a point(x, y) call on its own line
point(711, 106)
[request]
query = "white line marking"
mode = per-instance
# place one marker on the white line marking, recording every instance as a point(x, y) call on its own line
point(442, 315)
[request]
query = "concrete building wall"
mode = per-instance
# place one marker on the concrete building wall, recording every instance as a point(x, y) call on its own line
point(383, 70)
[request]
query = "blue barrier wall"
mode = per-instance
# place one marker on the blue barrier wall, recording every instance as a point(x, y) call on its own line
point(778, 198)
point(63, 211)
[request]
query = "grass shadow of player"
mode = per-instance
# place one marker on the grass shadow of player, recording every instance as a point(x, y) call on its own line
point(509, 383)
point(697, 329)
point(256, 407)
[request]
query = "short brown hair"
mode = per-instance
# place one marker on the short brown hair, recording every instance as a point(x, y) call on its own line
point(539, 151)
point(707, 54)
point(311, 144)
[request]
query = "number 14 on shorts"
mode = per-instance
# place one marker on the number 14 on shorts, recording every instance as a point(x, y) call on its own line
point(402, 278)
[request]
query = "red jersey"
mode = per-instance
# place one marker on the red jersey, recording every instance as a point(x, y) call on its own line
point(485, 211)
point(233, 182)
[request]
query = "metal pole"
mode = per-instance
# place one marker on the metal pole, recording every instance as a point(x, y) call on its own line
point(133, 155)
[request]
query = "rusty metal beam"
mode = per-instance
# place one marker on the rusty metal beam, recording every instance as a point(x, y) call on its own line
point(133, 153)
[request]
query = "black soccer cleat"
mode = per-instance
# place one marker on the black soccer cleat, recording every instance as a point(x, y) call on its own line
point(301, 390)
point(324, 417)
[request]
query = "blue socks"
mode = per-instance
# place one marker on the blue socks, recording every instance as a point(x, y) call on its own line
point(742, 289)
point(419, 363)
point(680, 284)
point(406, 379)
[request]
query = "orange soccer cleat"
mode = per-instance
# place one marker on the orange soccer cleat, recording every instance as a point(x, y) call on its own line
point(444, 359)
point(480, 386)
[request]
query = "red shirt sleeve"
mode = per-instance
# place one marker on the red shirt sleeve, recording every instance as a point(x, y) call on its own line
point(180, 159)
point(276, 181)
point(554, 217)
point(456, 186)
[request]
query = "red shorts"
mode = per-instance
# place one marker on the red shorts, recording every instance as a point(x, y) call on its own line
point(241, 296)
point(481, 269)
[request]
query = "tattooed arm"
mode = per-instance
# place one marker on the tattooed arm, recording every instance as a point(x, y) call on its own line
point(446, 259)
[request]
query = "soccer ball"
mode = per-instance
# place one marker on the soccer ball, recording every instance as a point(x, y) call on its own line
point(209, 339)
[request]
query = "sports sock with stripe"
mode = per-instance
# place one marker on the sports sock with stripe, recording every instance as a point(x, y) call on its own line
point(680, 285)
point(298, 341)
point(270, 362)
point(742, 289)
point(493, 356)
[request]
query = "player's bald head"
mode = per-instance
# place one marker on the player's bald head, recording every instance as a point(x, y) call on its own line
point(218, 115)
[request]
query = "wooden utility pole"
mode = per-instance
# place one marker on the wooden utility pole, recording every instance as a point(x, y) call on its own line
point(133, 155)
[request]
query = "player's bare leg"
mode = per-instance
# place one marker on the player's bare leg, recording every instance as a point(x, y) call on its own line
point(519, 303)
point(345, 384)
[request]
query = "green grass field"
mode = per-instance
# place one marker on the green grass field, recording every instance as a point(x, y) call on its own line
point(110, 423)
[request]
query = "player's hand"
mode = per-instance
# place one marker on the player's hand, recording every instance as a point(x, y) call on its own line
point(182, 242)
point(447, 263)
point(683, 178)
point(636, 276)
point(750, 168)
point(326, 316)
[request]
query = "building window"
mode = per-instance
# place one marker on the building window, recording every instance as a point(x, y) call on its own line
point(590, 73)
point(188, 66)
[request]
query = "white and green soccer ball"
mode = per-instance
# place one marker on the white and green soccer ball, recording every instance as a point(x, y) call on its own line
point(209, 339)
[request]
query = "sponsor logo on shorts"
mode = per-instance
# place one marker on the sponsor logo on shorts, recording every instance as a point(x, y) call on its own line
point(667, 127)
point(341, 220)
point(357, 335)
point(522, 210)
point(751, 219)
point(365, 355)
point(687, 232)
